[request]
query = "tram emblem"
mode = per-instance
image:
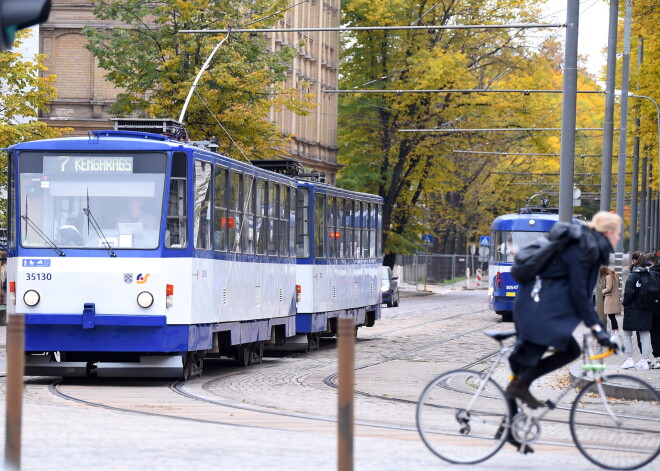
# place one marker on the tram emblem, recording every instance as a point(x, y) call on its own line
point(128, 278)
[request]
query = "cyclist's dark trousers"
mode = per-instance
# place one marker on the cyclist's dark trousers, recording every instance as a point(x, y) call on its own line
point(527, 361)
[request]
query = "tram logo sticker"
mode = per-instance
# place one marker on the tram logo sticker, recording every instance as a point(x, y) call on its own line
point(35, 262)
point(128, 278)
point(142, 279)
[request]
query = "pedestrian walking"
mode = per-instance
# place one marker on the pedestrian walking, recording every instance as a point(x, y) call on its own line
point(638, 297)
point(612, 296)
point(549, 308)
point(655, 314)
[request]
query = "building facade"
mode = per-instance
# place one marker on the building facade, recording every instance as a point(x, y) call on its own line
point(85, 97)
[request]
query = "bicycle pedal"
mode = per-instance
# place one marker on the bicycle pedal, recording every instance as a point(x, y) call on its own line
point(550, 405)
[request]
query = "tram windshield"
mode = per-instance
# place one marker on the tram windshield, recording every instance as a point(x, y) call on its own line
point(508, 243)
point(63, 196)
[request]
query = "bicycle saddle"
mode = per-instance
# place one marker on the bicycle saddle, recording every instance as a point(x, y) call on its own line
point(499, 336)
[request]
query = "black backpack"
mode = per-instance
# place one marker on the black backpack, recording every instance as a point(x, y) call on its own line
point(648, 293)
point(533, 259)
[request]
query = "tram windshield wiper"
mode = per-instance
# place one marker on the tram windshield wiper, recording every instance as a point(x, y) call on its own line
point(41, 234)
point(92, 221)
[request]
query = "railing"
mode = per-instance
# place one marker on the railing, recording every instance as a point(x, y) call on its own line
point(437, 268)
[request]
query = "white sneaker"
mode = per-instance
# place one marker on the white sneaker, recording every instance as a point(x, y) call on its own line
point(642, 365)
point(629, 363)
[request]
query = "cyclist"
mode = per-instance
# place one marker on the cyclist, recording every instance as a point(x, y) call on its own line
point(548, 309)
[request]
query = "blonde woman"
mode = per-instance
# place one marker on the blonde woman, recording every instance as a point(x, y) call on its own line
point(612, 294)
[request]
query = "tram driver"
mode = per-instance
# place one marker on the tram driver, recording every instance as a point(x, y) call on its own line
point(508, 249)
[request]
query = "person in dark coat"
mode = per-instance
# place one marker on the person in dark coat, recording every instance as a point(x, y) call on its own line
point(655, 315)
point(548, 309)
point(635, 316)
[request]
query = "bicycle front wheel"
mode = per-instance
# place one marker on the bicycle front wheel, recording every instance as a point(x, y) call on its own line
point(616, 423)
point(462, 418)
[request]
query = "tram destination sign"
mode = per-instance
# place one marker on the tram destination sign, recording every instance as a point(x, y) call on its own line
point(88, 164)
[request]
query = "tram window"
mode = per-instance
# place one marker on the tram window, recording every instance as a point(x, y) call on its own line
point(348, 231)
point(332, 227)
point(235, 196)
point(284, 221)
point(202, 210)
point(365, 227)
point(341, 225)
point(273, 201)
point(372, 230)
point(319, 225)
point(175, 233)
point(508, 243)
point(247, 230)
point(12, 200)
point(379, 232)
point(291, 221)
point(302, 223)
point(221, 219)
point(357, 233)
point(260, 220)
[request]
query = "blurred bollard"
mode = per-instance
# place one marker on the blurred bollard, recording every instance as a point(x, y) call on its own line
point(346, 378)
point(15, 369)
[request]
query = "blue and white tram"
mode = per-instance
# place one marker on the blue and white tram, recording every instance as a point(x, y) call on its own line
point(339, 247)
point(508, 234)
point(132, 254)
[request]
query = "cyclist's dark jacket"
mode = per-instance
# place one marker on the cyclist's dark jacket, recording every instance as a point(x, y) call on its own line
point(565, 298)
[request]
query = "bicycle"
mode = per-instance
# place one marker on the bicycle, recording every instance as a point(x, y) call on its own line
point(464, 416)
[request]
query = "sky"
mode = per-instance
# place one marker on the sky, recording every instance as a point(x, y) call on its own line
point(592, 29)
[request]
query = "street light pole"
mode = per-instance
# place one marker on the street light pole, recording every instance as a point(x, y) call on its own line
point(652, 242)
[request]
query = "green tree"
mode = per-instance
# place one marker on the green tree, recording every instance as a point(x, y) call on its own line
point(155, 66)
point(22, 94)
point(425, 183)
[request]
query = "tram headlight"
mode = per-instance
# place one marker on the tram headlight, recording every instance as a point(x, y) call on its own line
point(145, 299)
point(31, 297)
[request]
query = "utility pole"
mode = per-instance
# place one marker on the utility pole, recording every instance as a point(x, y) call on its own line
point(608, 124)
point(567, 159)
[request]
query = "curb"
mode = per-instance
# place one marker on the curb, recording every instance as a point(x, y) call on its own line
point(634, 394)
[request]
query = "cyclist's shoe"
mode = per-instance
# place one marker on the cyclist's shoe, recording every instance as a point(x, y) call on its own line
point(520, 390)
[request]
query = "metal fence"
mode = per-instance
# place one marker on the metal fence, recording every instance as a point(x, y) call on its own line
point(437, 268)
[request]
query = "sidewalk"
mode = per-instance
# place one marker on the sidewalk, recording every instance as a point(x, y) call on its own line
point(613, 366)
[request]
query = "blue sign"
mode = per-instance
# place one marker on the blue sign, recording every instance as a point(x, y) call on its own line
point(484, 241)
point(36, 262)
point(427, 239)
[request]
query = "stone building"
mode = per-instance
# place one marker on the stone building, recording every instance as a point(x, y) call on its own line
point(85, 96)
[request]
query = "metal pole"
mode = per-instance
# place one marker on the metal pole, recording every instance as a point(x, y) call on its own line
point(15, 368)
point(608, 124)
point(643, 214)
point(346, 378)
point(567, 159)
point(621, 176)
point(633, 191)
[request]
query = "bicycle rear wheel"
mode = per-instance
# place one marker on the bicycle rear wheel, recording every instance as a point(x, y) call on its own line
point(458, 425)
point(620, 430)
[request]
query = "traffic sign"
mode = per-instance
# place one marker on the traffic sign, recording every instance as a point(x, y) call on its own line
point(427, 240)
point(484, 241)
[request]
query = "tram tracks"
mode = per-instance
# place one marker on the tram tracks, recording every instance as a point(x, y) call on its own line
point(227, 411)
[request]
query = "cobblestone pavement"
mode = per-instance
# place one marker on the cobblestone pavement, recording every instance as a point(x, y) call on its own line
point(408, 347)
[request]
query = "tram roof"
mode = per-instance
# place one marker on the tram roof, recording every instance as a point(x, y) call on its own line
point(542, 221)
point(106, 141)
